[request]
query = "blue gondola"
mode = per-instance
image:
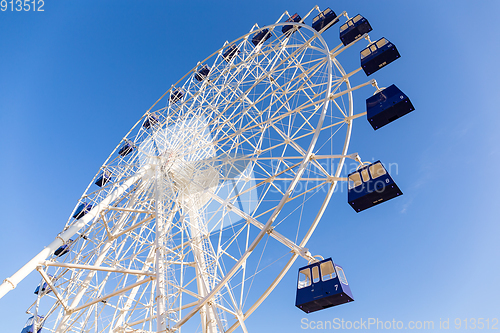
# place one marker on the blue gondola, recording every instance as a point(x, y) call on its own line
point(30, 325)
point(322, 285)
point(63, 249)
point(202, 73)
point(42, 287)
point(83, 209)
point(261, 37)
point(103, 178)
point(323, 19)
point(354, 29)
point(176, 95)
point(126, 149)
point(151, 120)
point(230, 52)
point(294, 18)
point(386, 106)
point(371, 185)
point(378, 55)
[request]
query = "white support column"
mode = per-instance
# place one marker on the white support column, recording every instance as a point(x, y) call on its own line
point(160, 244)
point(203, 271)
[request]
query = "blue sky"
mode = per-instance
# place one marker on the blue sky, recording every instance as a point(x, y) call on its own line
point(76, 77)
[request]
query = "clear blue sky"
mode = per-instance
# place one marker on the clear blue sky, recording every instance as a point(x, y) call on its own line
point(76, 77)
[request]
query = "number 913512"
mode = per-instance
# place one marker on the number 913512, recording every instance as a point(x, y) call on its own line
point(22, 5)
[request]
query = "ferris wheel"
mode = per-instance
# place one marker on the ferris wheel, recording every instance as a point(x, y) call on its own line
point(206, 203)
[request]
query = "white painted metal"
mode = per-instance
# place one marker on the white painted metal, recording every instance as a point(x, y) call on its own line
point(199, 224)
point(11, 283)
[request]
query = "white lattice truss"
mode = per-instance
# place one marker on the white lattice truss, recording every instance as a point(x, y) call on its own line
point(213, 205)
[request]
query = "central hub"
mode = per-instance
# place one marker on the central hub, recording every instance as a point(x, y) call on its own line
point(167, 160)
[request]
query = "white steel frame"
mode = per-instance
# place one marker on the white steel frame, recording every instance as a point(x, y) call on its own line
point(151, 253)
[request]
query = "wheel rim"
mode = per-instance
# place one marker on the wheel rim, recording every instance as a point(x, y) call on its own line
point(250, 129)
